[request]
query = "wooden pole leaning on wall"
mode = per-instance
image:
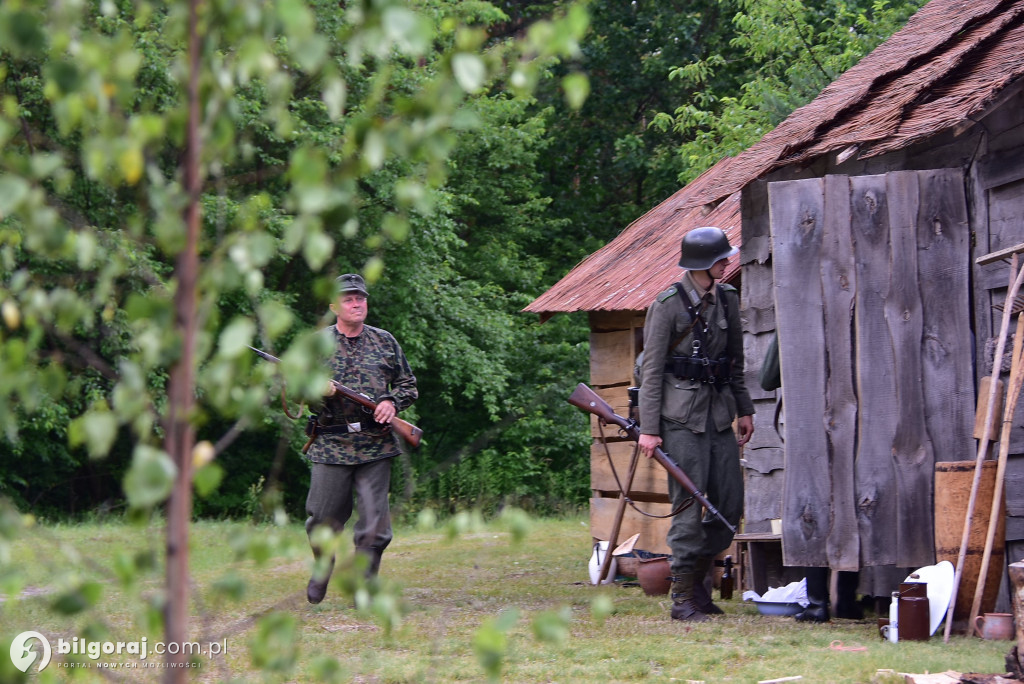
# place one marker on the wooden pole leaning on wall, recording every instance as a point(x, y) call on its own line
point(1016, 277)
point(1012, 395)
point(613, 538)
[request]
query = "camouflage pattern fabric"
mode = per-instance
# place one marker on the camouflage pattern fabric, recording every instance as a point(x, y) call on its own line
point(372, 363)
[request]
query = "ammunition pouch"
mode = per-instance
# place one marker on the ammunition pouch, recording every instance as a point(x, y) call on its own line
point(702, 369)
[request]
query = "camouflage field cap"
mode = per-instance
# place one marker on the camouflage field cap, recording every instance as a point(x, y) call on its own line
point(352, 282)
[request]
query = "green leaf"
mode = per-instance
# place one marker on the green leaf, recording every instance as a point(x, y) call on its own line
point(577, 88)
point(207, 479)
point(13, 191)
point(234, 340)
point(97, 429)
point(335, 92)
point(469, 70)
point(78, 598)
point(553, 627)
point(317, 250)
point(274, 647)
point(150, 478)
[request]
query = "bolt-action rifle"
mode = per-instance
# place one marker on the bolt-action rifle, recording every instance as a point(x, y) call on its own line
point(587, 399)
point(406, 430)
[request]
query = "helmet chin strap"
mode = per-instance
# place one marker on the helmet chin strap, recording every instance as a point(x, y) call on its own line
point(710, 278)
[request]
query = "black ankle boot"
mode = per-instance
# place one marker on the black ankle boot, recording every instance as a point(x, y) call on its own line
point(684, 608)
point(701, 594)
point(817, 594)
point(847, 605)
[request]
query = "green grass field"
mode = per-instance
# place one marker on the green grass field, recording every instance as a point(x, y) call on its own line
point(508, 601)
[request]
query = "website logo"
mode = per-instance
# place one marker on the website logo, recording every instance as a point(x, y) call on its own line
point(23, 654)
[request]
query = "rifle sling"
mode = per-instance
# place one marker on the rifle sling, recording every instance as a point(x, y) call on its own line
point(625, 495)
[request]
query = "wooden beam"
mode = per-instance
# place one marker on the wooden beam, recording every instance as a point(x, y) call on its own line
point(999, 255)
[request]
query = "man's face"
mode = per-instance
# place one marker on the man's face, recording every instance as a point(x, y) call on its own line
point(350, 308)
point(717, 269)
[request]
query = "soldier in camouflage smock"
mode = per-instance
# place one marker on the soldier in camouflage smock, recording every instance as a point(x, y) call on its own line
point(352, 448)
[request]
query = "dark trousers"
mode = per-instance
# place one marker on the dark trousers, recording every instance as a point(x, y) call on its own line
point(332, 491)
point(711, 460)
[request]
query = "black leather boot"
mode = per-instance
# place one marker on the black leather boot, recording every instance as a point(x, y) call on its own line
point(701, 593)
point(817, 594)
point(316, 589)
point(684, 607)
point(847, 605)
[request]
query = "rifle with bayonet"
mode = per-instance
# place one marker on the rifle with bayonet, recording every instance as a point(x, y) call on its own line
point(587, 399)
point(406, 430)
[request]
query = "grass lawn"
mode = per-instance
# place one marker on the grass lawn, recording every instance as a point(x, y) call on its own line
point(462, 602)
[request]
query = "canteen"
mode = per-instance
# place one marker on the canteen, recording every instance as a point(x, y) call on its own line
point(596, 559)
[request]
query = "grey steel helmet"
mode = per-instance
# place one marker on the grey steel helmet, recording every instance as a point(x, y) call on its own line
point(703, 247)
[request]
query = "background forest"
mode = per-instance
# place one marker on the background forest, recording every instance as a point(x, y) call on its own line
point(463, 173)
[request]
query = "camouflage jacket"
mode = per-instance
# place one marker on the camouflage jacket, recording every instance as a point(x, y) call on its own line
point(372, 363)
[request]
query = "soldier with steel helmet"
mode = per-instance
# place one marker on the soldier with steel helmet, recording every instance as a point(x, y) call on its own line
point(691, 390)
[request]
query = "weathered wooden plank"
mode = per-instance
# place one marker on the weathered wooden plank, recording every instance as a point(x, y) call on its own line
point(756, 244)
point(943, 271)
point(653, 531)
point(764, 460)
point(650, 479)
point(838, 284)
point(758, 290)
point(875, 362)
point(797, 214)
point(764, 499)
point(1002, 167)
point(612, 356)
point(765, 434)
point(1014, 486)
point(913, 459)
point(610, 321)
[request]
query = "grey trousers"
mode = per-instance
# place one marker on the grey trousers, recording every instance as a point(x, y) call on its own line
point(332, 490)
point(711, 459)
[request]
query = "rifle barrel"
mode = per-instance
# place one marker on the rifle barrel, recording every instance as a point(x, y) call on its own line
point(585, 398)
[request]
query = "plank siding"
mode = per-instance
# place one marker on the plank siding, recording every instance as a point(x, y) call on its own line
point(650, 482)
point(797, 214)
point(943, 238)
point(839, 283)
point(913, 460)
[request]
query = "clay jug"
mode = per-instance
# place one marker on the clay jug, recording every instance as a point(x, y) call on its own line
point(655, 576)
point(998, 626)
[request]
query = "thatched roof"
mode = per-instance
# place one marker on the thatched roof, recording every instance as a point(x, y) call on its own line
point(942, 71)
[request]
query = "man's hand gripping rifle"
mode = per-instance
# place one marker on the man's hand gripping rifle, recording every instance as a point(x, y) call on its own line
point(406, 430)
point(587, 399)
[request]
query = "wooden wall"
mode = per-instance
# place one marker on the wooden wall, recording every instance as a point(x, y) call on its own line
point(991, 154)
point(615, 340)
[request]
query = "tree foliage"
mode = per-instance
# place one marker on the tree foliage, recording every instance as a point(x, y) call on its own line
point(330, 137)
point(780, 56)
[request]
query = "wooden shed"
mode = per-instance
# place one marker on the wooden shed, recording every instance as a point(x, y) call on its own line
point(861, 218)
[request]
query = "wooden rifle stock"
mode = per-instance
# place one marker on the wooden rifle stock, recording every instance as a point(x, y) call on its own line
point(585, 398)
point(406, 430)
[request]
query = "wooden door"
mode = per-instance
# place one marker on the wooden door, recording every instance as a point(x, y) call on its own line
point(872, 308)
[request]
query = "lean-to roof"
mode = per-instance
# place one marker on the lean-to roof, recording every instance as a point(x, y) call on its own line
point(949, 64)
